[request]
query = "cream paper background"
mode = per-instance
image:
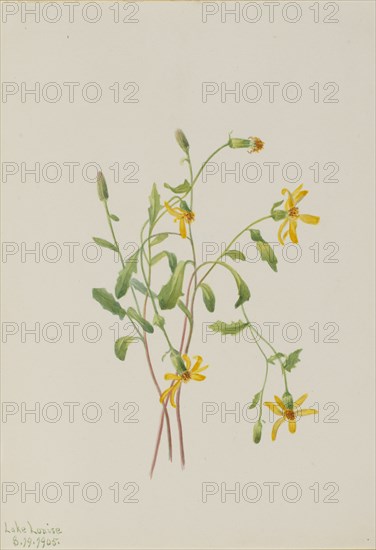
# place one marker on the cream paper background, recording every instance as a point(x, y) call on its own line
point(169, 53)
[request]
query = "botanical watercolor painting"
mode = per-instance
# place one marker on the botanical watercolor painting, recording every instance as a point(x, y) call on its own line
point(135, 297)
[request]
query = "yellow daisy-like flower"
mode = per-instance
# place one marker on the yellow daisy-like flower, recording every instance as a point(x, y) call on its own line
point(293, 215)
point(287, 414)
point(192, 373)
point(184, 216)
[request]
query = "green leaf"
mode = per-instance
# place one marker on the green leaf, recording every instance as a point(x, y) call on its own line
point(208, 297)
point(274, 358)
point(114, 217)
point(155, 204)
point(255, 400)
point(266, 251)
point(185, 310)
point(243, 290)
point(158, 320)
point(225, 328)
point(122, 344)
point(133, 314)
point(138, 285)
point(105, 244)
point(292, 360)
point(158, 239)
point(125, 275)
point(235, 255)
point(172, 290)
point(172, 260)
point(108, 302)
point(182, 188)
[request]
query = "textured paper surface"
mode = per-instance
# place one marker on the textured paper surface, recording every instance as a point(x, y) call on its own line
point(322, 477)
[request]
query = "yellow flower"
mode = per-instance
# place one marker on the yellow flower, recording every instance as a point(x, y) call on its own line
point(186, 376)
point(184, 216)
point(288, 414)
point(293, 215)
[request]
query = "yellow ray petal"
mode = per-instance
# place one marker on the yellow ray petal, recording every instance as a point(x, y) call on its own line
point(170, 376)
point(290, 203)
point(276, 427)
point(165, 394)
point(296, 191)
point(281, 228)
point(307, 218)
point(182, 228)
point(197, 363)
point(300, 196)
point(292, 426)
point(280, 402)
point(306, 412)
point(274, 408)
point(202, 368)
point(292, 231)
point(171, 210)
point(186, 360)
point(198, 377)
point(301, 400)
point(173, 392)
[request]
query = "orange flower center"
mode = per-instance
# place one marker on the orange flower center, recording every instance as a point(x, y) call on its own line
point(186, 376)
point(294, 212)
point(289, 414)
point(189, 216)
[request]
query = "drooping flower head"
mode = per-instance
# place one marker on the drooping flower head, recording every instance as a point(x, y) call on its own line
point(192, 373)
point(181, 215)
point(293, 215)
point(288, 413)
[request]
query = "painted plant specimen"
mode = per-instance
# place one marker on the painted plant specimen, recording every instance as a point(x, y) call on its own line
point(135, 298)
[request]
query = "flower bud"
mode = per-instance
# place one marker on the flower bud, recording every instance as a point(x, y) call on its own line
point(253, 144)
point(102, 187)
point(288, 400)
point(257, 431)
point(177, 361)
point(182, 140)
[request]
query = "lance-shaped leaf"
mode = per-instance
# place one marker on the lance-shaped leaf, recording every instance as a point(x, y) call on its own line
point(256, 399)
point(138, 285)
point(235, 255)
point(185, 310)
point(133, 314)
point(125, 275)
point(172, 260)
point(208, 297)
point(243, 290)
point(155, 204)
point(108, 302)
point(172, 290)
point(182, 188)
point(266, 251)
point(228, 328)
point(292, 360)
point(274, 358)
point(105, 244)
point(122, 344)
point(158, 239)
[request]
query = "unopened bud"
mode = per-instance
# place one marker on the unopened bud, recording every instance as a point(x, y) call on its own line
point(102, 187)
point(257, 431)
point(253, 144)
point(182, 140)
